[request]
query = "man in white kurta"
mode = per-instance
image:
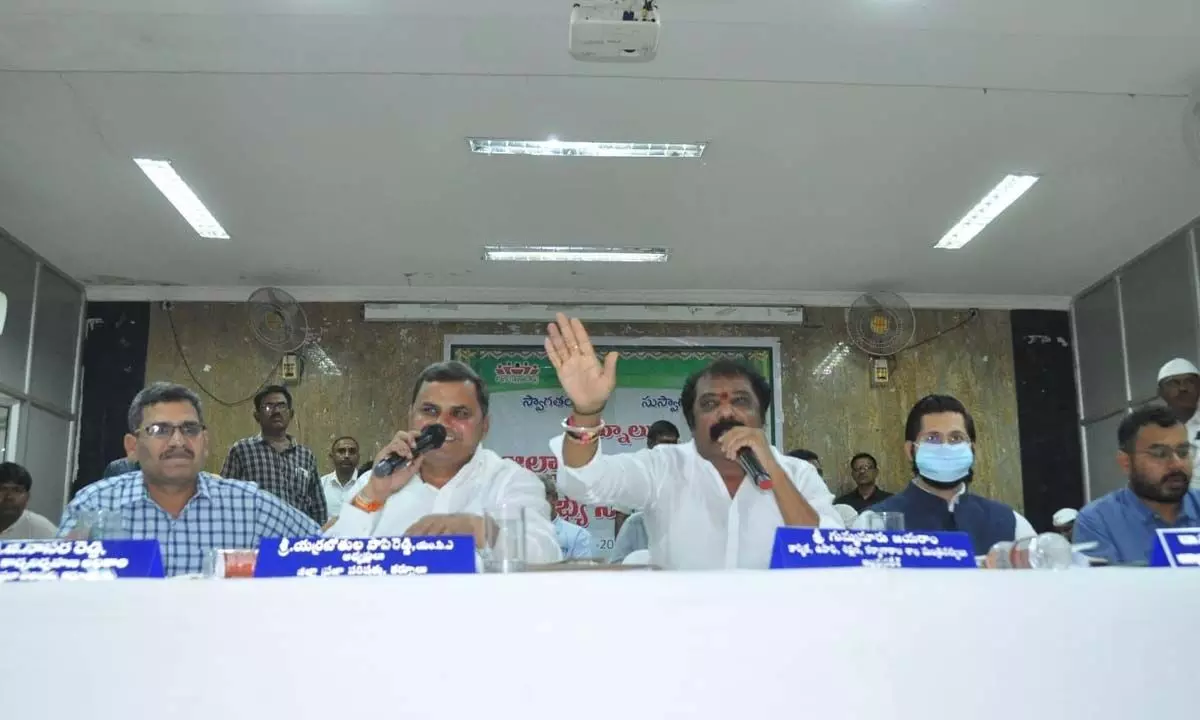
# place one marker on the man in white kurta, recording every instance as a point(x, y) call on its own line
point(691, 520)
point(447, 491)
point(701, 508)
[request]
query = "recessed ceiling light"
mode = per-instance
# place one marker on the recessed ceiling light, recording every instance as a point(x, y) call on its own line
point(551, 253)
point(564, 148)
point(181, 196)
point(986, 210)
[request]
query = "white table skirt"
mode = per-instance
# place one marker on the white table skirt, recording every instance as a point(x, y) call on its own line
point(969, 645)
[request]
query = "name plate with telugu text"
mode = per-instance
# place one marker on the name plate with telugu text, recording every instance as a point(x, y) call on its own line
point(829, 547)
point(1176, 547)
point(365, 557)
point(34, 560)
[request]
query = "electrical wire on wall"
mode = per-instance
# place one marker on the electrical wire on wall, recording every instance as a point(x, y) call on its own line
point(188, 367)
point(972, 313)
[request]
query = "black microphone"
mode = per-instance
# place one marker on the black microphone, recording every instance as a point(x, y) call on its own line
point(745, 456)
point(431, 438)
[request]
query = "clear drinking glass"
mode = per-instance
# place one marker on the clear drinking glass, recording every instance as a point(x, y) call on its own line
point(506, 538)
point(99, 525)
point(893, 521)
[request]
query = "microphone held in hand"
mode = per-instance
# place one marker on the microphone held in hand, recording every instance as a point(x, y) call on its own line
point(431, 438)
point(745, 456)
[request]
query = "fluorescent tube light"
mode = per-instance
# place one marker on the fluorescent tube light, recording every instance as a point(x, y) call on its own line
point(509, 312)
point(987, 210)
point(181, 196)
point(562, 148)
point(551, 253)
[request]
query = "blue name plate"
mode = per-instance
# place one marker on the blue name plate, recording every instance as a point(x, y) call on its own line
point(29, 560)
point(1176, 547)
point(333, 557)
point(827, 547)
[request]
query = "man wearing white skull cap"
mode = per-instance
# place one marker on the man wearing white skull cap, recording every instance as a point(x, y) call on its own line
point(1179, 388)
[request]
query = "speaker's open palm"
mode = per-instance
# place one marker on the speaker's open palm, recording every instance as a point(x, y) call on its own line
point(585, 380)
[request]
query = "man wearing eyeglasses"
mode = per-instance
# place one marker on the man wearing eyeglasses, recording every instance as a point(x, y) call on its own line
point(171, 500)
point(1156, 454)
point(274, 459)
point(940, 441)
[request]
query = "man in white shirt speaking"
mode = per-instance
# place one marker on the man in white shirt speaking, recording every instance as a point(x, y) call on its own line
point(447, 490)
point(701, 510)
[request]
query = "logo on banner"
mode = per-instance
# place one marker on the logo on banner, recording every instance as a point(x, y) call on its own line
point(524, 373)
point(334, 557)
point(79, 560)
point(1176, 547)
point(824, 548)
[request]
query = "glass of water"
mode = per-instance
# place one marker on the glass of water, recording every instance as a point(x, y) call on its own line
point(892, 521)
point(505, 551)
point(99, 525)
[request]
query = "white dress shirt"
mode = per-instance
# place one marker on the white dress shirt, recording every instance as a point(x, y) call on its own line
point(30, 526)
point(336, 494)
point(1193, 429)
point(1023, 528)
point(486, 481)
point(691, 521)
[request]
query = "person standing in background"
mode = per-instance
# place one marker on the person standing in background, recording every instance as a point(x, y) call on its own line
point(1179, 388)
point(339, 484)
point(865, 471)
point(274, 459)
point(17, 521)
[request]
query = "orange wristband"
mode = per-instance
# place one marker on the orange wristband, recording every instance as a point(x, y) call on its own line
point(368, 506)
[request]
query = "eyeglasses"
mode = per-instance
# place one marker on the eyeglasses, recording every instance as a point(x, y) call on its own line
point(272, 407)
point(164, 431)
point(1159, 452)
point(933, 438)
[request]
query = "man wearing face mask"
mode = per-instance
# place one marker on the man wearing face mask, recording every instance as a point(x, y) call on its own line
point(171, 500)
point(1155, 453)
point(447, 490)
point(700, 509)
point(940, 440)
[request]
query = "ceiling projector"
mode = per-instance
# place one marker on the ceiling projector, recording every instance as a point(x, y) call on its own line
point(614, 31)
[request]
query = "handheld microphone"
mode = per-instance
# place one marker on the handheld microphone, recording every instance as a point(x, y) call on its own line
point(431, 438)
point(745, 456)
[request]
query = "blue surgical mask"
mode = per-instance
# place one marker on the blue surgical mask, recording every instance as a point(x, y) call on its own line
point(945, 463)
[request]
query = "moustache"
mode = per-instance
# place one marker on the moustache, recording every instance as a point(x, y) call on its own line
point(180, 453)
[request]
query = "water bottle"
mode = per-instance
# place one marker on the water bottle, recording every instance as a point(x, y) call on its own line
point(1048, 551)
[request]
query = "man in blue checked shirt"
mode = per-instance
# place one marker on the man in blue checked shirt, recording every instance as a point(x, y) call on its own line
point(171, 499)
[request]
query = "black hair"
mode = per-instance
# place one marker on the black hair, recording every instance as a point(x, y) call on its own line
point(725, 368)
point(337, 440)
point(14, 474)
point(271, 390)
point(660, 428)
point(1134, 422)
point(803, 454)
point(452, 371)
point(156, 394)
point(931, 405)
point(869, 456)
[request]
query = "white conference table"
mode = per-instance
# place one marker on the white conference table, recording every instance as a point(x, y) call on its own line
point(968, 645)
